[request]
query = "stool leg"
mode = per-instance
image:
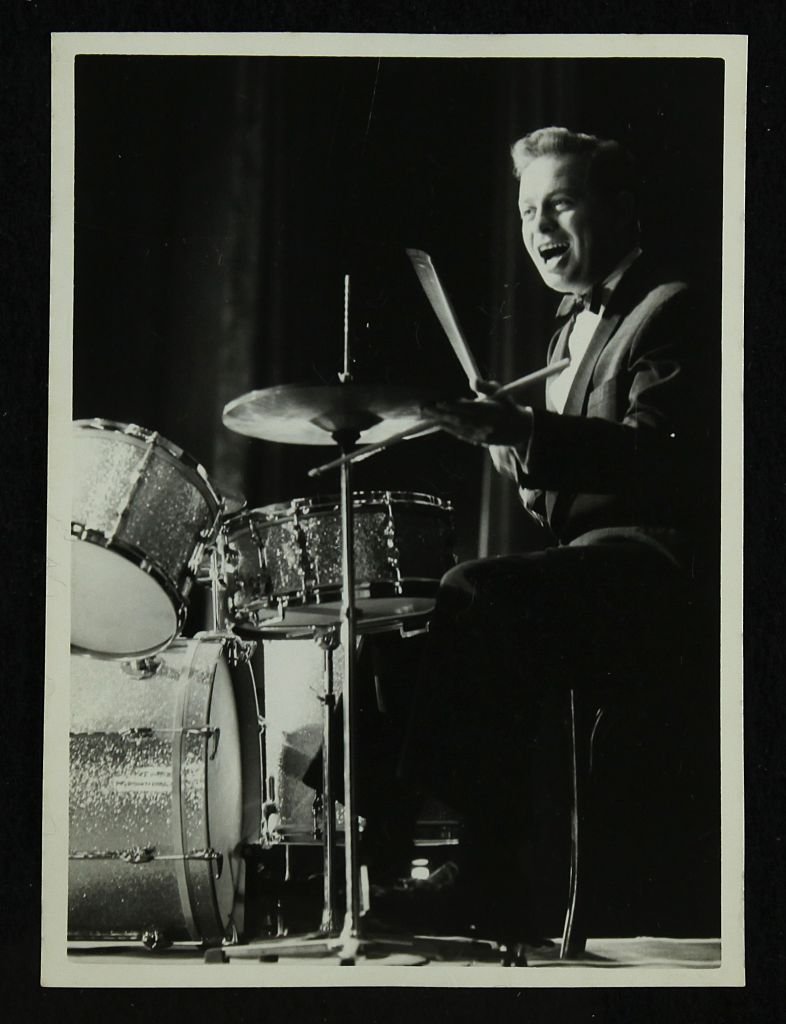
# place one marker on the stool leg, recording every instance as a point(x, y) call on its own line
point(573, 941)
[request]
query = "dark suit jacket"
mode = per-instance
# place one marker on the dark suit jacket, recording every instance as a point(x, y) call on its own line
point(636, 445)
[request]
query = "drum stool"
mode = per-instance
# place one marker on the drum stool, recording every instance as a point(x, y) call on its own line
point(673, 735)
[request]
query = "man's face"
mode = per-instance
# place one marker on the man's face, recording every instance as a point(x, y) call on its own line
point(574, 235)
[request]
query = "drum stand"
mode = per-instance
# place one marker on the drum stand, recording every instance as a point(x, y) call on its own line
point(354, 941)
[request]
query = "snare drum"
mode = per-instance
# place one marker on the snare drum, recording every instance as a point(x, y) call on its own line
point(165, 786)
point(282, 563)
point(143, 511)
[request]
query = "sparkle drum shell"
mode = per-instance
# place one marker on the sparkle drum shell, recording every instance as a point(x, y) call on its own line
point(282, 563)
point(165, 787)
point(142, 513)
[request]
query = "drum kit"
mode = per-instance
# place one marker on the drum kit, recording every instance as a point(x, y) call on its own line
point(170, 780)
point(166, 751)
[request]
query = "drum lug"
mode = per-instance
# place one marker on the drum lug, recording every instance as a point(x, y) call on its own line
point(211, 855)
point(141, 733)
point(141, 668)
point(139, 855)
point(209, 732)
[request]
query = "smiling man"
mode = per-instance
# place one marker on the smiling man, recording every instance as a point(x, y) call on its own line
point(576, 205)
point(620, 469)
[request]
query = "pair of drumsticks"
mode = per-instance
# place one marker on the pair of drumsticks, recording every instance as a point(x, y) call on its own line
point(440, 303)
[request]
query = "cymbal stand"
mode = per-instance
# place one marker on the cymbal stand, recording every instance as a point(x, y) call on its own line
point(346, 438)
point(328, 640)
point(350, 935)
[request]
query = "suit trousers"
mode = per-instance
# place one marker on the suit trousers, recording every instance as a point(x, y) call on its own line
point(509, 636)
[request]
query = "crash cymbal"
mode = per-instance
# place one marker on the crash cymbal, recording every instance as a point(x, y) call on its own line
point(312, 413)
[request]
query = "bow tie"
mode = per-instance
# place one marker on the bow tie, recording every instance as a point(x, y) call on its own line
point(592, 300)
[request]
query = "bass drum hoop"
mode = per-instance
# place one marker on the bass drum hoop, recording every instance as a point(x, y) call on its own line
point(202, 883)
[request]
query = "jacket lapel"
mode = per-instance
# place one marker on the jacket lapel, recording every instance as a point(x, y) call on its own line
point(620, 304)
point(574, 403)
point(558, 347)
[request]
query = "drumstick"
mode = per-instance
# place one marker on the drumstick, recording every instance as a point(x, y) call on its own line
point(531, 378)
point(440, 303)
point(427, 426)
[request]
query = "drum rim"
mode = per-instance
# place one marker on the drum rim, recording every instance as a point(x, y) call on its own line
point(176, 595)
point(408, 586)
point(158, 440)
point(278, 512)
point(205, 652)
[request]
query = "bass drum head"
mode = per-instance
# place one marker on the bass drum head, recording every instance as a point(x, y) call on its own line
point(224, 791)
point(139, 619)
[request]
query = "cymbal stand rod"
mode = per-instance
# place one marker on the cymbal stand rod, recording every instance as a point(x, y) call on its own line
point(350, 935)
point(346, 376)
point(214, 591)
point(328, 641)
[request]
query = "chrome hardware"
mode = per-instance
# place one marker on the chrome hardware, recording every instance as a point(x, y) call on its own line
point(141, 668)
point(209, 732)
point(145, 854)
point(328, 639)
point(155, 940)
point(139, 855)
point(136, 855)
point(230, 556)
point(142, 733)
point(316, 816)
point(239, 652)
point(211, 855)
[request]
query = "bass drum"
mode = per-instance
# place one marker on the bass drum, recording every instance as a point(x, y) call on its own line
point(165, 789)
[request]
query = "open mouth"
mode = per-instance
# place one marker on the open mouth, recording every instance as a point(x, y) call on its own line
point(552, 251)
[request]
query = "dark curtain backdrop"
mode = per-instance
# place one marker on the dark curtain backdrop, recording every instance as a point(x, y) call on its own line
point(220, 201)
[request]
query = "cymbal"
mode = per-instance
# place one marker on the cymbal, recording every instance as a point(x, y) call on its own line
point(312, 413)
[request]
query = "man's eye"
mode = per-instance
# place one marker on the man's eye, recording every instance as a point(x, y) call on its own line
point(563, 203)
point(527, 213)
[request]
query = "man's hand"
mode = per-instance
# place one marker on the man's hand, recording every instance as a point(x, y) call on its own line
point(483, 420)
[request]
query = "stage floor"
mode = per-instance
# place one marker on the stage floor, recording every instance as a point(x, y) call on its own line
point(601, 953)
